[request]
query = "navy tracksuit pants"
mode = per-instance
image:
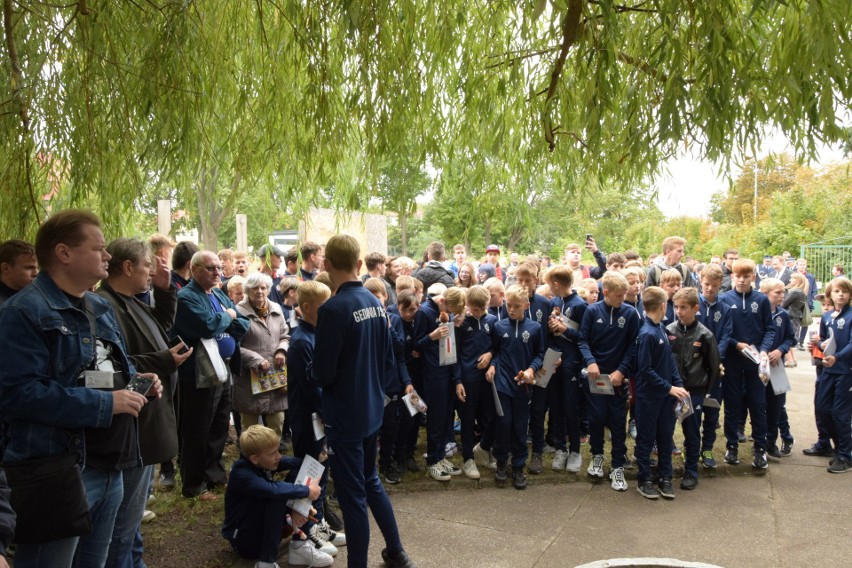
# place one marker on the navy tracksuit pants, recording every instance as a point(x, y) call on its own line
point(609, 411)
point(742, 386)
point(390, 448)
point(691, 427)
point(710, 420)
point(439, 401)
point(565, 409)
point(823, 421)
point(834, 402)
point(511, 430)
point(478, 405)
point(538, 409)
point(655, 422)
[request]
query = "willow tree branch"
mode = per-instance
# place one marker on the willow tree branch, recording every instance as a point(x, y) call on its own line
point(643, 66)
point(570, 33)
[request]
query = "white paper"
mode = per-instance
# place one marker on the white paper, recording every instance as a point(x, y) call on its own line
point(497, 406)
point(319, 427)
point(779, 379)
point(551, 360)
point(572, 324)
point(447, 346)
point(683, 409)
point(310, 472)
point(414, 403)
point(601, 385)
point(830, 344)
point(751, 354)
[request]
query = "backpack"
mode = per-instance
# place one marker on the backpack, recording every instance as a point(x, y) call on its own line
point(807, 318)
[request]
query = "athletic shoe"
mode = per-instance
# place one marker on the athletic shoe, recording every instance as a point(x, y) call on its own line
point(548, 449)
point(326, 533)
point(390, 475)
point(666, 489)
point(482, 457)
point(148, 516)
point(411, 464)
point(741, 437)
point(400, 466)
point(819, 450)
point(470, 470)
point(596, 467)
point(732, 457)
point(519, 480)
point(333, 519)
point(840, 465)
point(631, 429)
point(500, 474)
point(560, 458)
point(688, 482)
point(167, 480)
point(759, 461)
point(708, 460)
point(260, 564)
point(618, 481)
point(320, 543)
point(535, 466)
point(676, 451)
point(438, 473)
point(786, 447)
point(449, 467)
point(574, 462)
point(398, 560)
point(773, 451)
point(584, 439)
point(450, 449)
point(303, 553)
point(648, 490)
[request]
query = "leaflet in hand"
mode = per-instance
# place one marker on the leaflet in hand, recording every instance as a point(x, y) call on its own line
point(310, 473)
point(751, 354)
point(319, 426)
point(683, 409)
point(268, 382)
point(447, 346)
point(497, 406)
point(779, 379)
point(551, 360)
point(601, 385)
point(414, 403)
point(830, 344)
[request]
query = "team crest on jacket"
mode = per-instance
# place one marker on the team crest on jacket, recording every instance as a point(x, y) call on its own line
point(754, 307)
point(568, 312)
point(487, 328)
point(621, 322)
point(538, 315)
point(526, 336)
point(841, 323)
point(717, 316)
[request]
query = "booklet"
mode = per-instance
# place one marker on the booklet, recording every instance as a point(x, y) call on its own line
point(779, 379)
point(830, 344)
point(268, 382)
point(319, 426)
point(414, 403)
point(683, 409)
point(497, 406)
point(551, 359)
point(751, 354)
point(601, 385)
point(310, 472)
point(447, 346)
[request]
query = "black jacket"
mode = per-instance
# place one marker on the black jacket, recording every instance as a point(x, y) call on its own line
point(431, 272)
point(696, 354)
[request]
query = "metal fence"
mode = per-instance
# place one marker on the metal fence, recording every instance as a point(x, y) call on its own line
point(822, 256)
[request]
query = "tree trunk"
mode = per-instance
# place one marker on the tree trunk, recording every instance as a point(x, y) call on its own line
point(514, 237)
point(403, 231)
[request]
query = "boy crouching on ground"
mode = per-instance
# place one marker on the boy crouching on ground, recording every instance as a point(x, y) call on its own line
point(256, 505)
point(657, 385)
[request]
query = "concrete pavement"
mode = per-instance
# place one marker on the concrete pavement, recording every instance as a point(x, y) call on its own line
point(796, 514)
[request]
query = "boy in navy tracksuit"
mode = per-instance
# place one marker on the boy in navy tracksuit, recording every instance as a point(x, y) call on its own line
point(538, 311)
point(658, 384)
point(304, 400)
point(519, 351)
point(834, 394)
point(784, 340)
point(751, 315)
point(608, 346)
point(697, 356)
point(671, 281)
point(256, 504)
point(352, 348)
point(474, 344)
point(397, 383)
point(407, 304)
point(564, 386)
point(715, 315)
point(438, 383)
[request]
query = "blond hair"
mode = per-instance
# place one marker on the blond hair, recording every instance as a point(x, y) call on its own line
point(768, 284)
point(798, 280)
point(671, 275)
point(635, 270)
point(517, 293)
point(404, 282)
point(478, 296)
point(712, 273)
point(343, 252)
point(653, 297)
point(257, 439)
point(688, 295)
point(614, 282)
point(561, 274)
point(455, 299)
point(494, 283)
point(375, 286)
point(313, 292)
point(671, 242)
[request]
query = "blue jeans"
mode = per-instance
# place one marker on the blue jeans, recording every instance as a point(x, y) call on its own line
point(104, 492)
point(129, 516)
point(353, 468)
point(54, 554)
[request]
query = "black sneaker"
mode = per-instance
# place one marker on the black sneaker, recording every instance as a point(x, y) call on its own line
point(840, 465)
point(167, 480)
point(741, 437)
point(648, 490)
point(786, 447)
point(666, 489)
point(732, 457)
point(535, 466)
point(759, 461)
point(398, 560)
point(688, 482)
point(500, 474)
point(333, 519)
point(411, 464)
point(819, 450)
point(773, 451)
point(519, 480)
point(390, 475)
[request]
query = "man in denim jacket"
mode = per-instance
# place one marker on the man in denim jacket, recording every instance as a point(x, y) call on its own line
point(44, 397)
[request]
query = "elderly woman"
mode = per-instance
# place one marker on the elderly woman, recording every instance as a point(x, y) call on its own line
point(262, 351)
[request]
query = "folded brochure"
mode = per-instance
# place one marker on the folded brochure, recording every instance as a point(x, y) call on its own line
point(310, 473)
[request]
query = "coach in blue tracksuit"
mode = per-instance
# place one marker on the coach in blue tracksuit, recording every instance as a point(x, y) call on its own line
point(352, 347)
point(751, 317)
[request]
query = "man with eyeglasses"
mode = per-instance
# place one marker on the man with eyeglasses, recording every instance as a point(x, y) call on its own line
point(204, 311)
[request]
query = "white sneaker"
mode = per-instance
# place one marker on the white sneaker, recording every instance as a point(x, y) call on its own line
point(260, 564)
point(559, 460)
point(335, 538)
point(481, 456)
point(596, 467)
point(148, 516)
point(303, 553)
point(437, 472)
point(548, 449)
point(320, 543)
point(449, 467)
point(618, 481)
point(470, 470)
point(574, 462)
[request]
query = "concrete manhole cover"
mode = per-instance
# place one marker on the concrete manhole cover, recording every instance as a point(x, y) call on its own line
point(645, 563)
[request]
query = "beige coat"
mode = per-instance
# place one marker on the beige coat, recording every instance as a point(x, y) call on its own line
point(261, 342)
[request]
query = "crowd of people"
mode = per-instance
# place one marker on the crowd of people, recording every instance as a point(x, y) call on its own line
point(133, 358)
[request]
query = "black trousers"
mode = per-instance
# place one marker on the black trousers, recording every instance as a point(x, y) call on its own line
point(204, 429)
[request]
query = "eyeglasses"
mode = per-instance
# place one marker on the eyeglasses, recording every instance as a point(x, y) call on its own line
point(212, 268)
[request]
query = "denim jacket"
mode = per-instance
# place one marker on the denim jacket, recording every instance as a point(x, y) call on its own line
point(48, 342)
